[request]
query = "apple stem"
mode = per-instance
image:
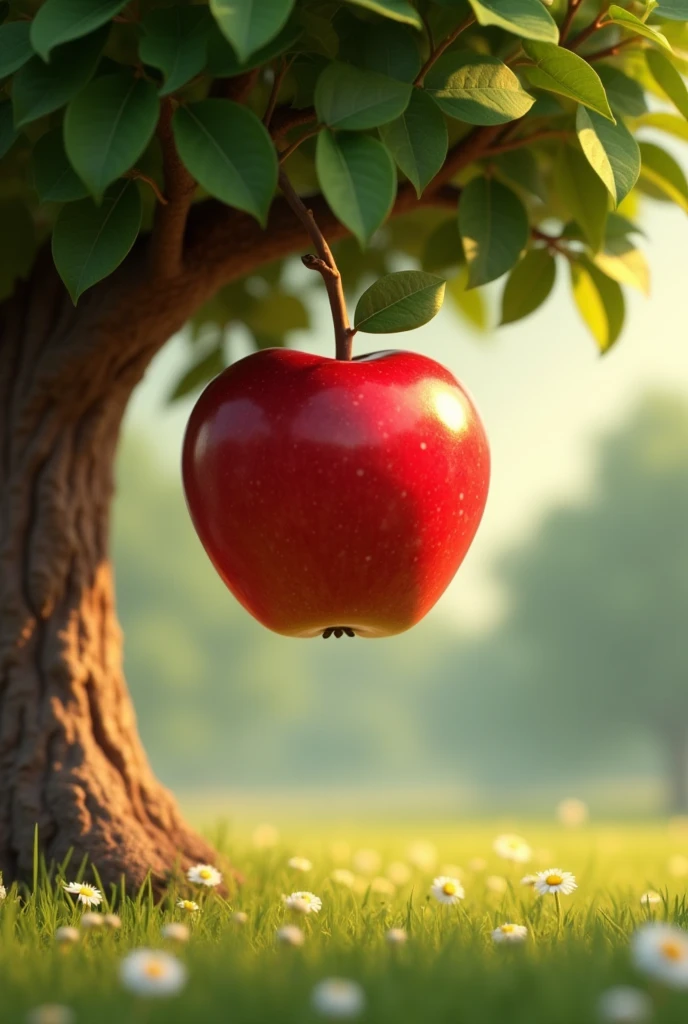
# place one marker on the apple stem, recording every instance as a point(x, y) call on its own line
point(325, 264)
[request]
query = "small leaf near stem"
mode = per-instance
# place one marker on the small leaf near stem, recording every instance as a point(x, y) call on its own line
point(324, 263)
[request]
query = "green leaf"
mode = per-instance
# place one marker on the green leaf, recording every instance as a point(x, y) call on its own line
point(199, 374)
point(669, 123)
point(358, 180)
point(561, 71)
point(521, 168)
point(583, 193)
point(397, 10)
point(443, 248)
point(529, 19)
point(352, 98)
point(528, 285)
point(672, 10)
point(60, 21)
point(107, 126)
point(417, 140)
point(54, 178)
point(390, 49)
point(399, 302)
point(625, 95)
point(469, 304)
point(668, 79)
point(250, 24)
point(664, 173)
point(229, 152)
point(90, 241)
point(477, 89)
point(618, 16)
point(611, 150)
point(8, 133)
point(494, 229)
point(624, 262)
point(175, 41)
point(15, 46)
point(40, 88)
point(599, 301)
point(222, 59)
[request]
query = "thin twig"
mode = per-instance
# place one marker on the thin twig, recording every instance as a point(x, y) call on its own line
point(568, 19)
point(325, 264)
point(542, 136)
point(612, 51)
point(285, 154)
point(167, 238)
point(593, 27)
point(136, 175)
point(286, 118)
point(441, 47)
point(274, 92)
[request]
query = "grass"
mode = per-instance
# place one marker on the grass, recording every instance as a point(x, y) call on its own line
point(449, 970)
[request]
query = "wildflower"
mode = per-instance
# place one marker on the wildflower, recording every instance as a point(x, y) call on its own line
point(650, 897)
point(447, 890)
point(661, 950)
point(303, 902)
point(265, 836)
point(678, 865)
point(148, 972)
point(422, 855)
point(3, 892)
point(86, 894)
point(338, 998)
point(188, 905)
point(50, 1013)
point(342, 876)
point(624, 1005)
point(204, 874)
point(239, 917)
point(400, 873)
point(89, 920)
point(495, 883)
point(367, 861)
point(514, 848)
point(555, 880)
point(529, 880)
point(113, 921)
point(383, 886)
point(175, 931)
point(572, 812)
point(510, 933)
point(396, 936)
point(65, 933)
point(290, 935)
point(300, 864)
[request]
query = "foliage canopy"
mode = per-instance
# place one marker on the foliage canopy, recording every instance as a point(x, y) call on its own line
point(537, 122)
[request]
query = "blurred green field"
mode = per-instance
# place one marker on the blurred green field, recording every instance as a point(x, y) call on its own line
point(449, 970)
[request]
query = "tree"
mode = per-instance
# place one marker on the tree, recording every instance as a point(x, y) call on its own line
point(142, 145)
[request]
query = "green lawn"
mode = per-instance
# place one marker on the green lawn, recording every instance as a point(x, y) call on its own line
point(449, 970)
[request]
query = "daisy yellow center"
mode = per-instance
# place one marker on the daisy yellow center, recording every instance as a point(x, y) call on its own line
point(305, 897)
point(86, 890)
point(554, 879)
point(672, 950)
point(205, 873)
point(508, 928)
point(154, 969)
point(188, 905)
point(449, 889)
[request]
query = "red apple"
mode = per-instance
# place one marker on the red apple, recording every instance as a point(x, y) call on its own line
point(336, 494)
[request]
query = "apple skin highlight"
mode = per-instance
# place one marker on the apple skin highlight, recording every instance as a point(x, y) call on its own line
point(334, 493)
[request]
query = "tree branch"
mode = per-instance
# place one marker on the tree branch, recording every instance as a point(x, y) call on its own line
point(167, 239)
point(441, 47)
point(611, 51)
point(542, 136)
point(568, 19)
point(325, 264)
point(286, 118)
point(470, 148)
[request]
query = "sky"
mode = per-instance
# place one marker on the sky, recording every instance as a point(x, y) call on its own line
point(543, 390)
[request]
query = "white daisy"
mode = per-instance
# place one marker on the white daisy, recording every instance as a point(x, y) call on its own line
point(151, 972)
point(342, 876)
point(399, 873)
point(50, 1013)
point(624, 1005)
point(113, 921)
point(188, 905)
point(300, 864)
point(204, 874)
point(367, 862)
point(529, 880)
point(422, 855)
point(91, 919)
point(514, 848)
point(650, 897)
point(338, 999)
point(290, 935)
point(65, 933)
point(303, 902)
point(661, 950)
point(510, 933)
point(447, 890)
point(572, 812)
point(239, 917)
point(396, 936)
point(495, 883)
point(555, 880)
point(175, 931)
point(86, 894)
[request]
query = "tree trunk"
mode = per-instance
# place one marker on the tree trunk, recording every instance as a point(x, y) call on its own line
point(70, 758)
point(676, 744)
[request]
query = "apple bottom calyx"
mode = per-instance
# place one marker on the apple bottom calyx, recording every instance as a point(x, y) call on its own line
point(338, 631)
